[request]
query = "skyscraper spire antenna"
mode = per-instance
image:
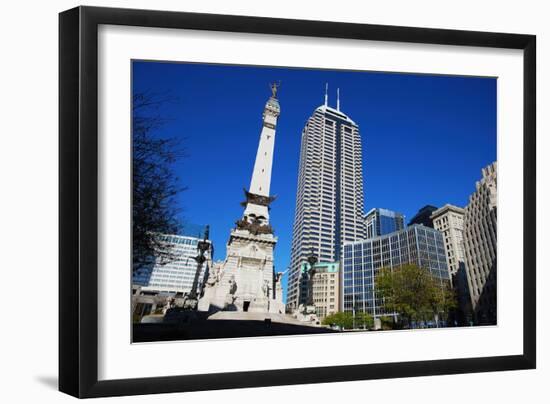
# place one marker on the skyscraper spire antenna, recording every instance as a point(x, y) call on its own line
point(337, 99)
point(326, 94)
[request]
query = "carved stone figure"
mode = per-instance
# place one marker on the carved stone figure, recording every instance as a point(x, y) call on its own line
point(254, 226)
point(274, 88)
point(213, 276)
point(168, 305)
point(232, 285)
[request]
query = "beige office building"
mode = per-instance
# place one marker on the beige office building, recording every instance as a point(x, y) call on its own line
point(449, 220)
point(326, 287)
point(480, 246)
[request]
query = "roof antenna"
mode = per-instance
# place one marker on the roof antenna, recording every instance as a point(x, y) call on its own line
point(326, 94)
point(337, 99)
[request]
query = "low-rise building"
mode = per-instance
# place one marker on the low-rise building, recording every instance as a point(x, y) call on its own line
point(417, 244)
point(176, 275)
point(325, 287)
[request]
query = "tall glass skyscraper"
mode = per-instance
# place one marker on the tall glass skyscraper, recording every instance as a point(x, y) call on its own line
point(329, 200)
point(383, 221)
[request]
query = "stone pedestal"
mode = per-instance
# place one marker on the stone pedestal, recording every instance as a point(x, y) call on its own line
point(245, 281)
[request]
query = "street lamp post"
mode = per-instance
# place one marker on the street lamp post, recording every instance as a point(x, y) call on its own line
point(312, 260)
point(202, 247)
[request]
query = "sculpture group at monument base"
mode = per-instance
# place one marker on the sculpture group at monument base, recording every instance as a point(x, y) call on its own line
point(245, 281)
point(307, 314)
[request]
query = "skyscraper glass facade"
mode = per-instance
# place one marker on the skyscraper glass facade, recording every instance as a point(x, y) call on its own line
point(417, 244)
point(329, 199)
point(177, 275)
point(424, 216)
point(383, 221)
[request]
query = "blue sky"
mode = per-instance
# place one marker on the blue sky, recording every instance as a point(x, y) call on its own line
point(425, 137)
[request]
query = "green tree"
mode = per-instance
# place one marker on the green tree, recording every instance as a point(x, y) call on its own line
point(363, 320)
point(387, 323)
point(414, 293)
point(341, 319)
point(346, 320)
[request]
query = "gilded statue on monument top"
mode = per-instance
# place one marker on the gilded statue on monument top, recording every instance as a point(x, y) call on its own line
point(274, 87)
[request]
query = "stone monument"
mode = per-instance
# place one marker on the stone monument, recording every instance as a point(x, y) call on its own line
point(246, 281)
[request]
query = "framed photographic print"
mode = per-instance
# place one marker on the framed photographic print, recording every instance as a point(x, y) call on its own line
point(251, 201)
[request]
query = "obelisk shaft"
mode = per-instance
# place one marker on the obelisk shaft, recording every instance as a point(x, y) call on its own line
point(261, 175)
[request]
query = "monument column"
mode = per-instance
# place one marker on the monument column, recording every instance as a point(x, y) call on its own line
point(257, 197)
point(245, 281)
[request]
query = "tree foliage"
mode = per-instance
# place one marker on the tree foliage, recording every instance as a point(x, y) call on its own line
point(414, 294)
point(346, 320)
point(154, 183)
point(340, 319)
point(363, 320)
point(388, 323)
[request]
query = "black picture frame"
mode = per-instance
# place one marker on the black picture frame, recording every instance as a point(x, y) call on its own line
point(78, 201)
